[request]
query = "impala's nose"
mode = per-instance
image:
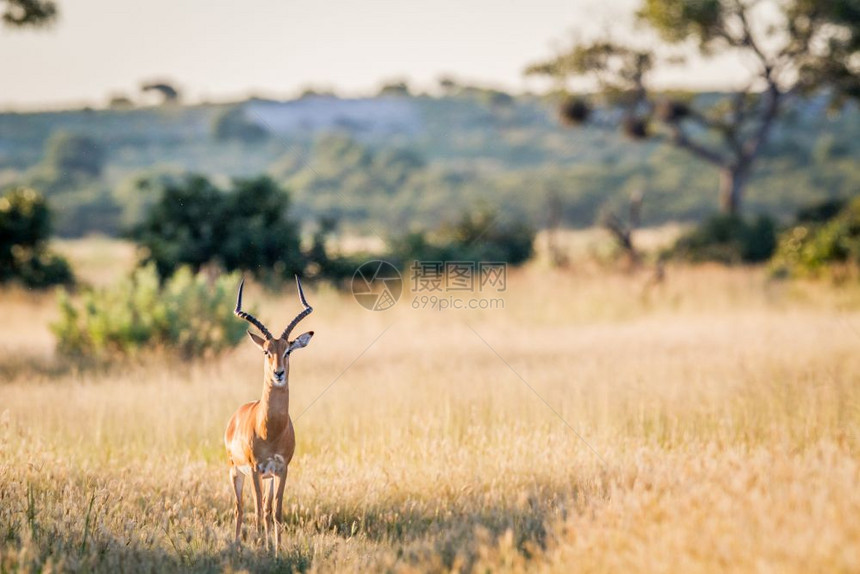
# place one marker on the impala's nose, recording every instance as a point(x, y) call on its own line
point(279, 374)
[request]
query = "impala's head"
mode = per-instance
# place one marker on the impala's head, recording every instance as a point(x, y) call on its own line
point(277, 350)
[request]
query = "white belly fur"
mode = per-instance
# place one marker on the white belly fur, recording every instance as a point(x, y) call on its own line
point(268, 469)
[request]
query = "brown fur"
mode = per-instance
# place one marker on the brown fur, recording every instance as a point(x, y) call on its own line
point(260, 436)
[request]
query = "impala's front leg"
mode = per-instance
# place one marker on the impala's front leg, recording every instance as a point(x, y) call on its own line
point(281, 480)
point(257, 480)
point(237, 479)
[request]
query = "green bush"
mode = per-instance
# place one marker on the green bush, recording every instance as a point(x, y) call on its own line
point(814, 249)
point(331, 265)
point(188, 316)
point(728, 239)
point(248, 227)
point(820, 212)
point(42, 269)
point(233, 123)
point(25, 225)
point(69, 154)
point(79, 211)
point(481, 235)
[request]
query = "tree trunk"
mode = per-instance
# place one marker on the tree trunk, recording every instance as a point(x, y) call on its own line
point(732, 183)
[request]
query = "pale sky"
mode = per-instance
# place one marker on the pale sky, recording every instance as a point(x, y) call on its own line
point(221, 50)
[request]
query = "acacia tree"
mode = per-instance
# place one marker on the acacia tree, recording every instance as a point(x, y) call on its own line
point(28, 13)
point(168, 93)
point(798, 46)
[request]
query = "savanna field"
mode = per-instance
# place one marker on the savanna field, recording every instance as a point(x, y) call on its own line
point(597, 423)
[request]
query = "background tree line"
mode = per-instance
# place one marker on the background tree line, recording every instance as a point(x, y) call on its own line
point(89, 164)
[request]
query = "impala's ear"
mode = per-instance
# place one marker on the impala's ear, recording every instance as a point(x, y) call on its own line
point(258, 340)
point(301, 341)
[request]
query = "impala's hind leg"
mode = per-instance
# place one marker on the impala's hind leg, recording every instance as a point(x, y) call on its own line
point(237, 479)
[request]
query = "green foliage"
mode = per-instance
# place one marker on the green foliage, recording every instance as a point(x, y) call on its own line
point(327, 264)
point(828, 148)
point(28, 13)
point(481, 235)
point(234, 124)
point(495, 98)
point(25, 217)
point(619, 69)
point(69, 155)
point(728, 239)
point(820, 212)
point(347, 179)
point(247, 227)
point(25, 225)
point(139, 192)
point(70, 175)
point(830, 247)
point(463, 152)
point(257, 233)
point(833, 27)
point(678, 20)
point(188, 315)
point(798, 46)
point(79, 211)
point(398, 88)
point(822, 36)
point(42, 268)
point(168, 92)
point(182, 227)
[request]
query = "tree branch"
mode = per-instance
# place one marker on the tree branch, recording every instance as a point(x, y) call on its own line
point(753, 145)
point(680, 139)
point(749, 41)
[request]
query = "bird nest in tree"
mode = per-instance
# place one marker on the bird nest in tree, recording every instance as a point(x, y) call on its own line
point(574, 111)
point(672, 110)
point(635, 127)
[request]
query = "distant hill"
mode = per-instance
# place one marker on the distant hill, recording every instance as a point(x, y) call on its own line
point(376, 117)
point(411, 161)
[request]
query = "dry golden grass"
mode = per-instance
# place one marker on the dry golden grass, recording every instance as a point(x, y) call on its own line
point(98, 260)
point(723, 409)
point(581, 243)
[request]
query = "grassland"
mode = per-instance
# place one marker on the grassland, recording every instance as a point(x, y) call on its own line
point(709, 423)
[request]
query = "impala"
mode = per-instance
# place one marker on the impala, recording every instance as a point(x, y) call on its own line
point(260, 439)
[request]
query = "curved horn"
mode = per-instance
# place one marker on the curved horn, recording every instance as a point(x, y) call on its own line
point(307, 311)
point(247, 316)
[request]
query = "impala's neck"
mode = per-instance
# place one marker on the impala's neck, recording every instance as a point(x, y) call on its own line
point(274, 412)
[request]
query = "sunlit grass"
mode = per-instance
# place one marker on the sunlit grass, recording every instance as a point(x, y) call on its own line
point(98, 260)
point(722, 409)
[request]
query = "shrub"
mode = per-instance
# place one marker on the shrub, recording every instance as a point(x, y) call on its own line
point(42, 269)
point(69, 154)
point(574, 111)
point(186, 316)
point(813, 249)
point(728, 239)
point(25, 225)
point(85, 209)
point(195, 223)
point(820, 212)
point(331, 265)
point(233, 123)
point(481, 235)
